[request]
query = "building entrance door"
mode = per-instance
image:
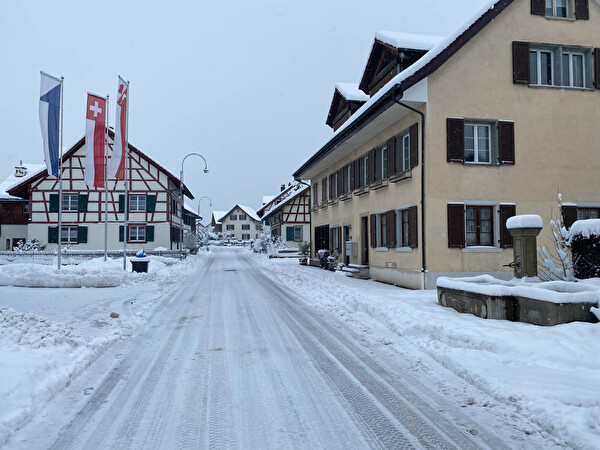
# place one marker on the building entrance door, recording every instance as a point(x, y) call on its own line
point(364, 240)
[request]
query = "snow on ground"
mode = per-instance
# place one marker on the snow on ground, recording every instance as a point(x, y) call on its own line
point(49, 332)
point(550, 374)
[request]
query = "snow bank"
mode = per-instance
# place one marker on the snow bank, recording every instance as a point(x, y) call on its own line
point(585, 228)
point(525, 221)
point(550, 375)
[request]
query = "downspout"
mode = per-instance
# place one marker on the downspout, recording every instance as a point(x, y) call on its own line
point(423, 253)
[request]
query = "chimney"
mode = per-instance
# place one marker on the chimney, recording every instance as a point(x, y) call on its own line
point(20, 170)
point(282, 187)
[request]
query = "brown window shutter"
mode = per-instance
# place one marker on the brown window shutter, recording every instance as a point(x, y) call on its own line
point(391, 228)
point(520, 62)
point(414, 145)
point(352, 170)
point(456, 225)
point(506, 142)
point(340, 182)
point(538, 7)
point(413, 233)
point(391, 156)
point(371, 166)
point(455, 137)
point(330, 186)
point(373, 231)
point(582, 11)
point(331, 243)
point(597, 68)
point(569, 215)
point(506, 211)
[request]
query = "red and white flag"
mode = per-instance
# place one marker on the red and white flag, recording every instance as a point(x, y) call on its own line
point(95, 128)
point(116, 165)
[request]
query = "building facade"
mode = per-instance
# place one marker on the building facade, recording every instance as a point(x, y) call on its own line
point(460, 133)
point(240, 222)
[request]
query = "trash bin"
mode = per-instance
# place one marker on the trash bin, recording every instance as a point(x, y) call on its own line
point(140, 262)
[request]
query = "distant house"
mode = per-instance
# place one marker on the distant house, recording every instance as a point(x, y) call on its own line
point(14, 211)
point(458, 134)
point(154, 218)
point(215, 222)
point(288, 214)
point(240, 222)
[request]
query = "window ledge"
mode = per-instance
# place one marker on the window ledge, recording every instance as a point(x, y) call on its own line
point(382, 249)
point(567, 88)
point(404, 250)
point(322, 205)
point(482, 249)
point(361, 191)
point(333, 202)
point(379, 185)
point(567, 19)
point(346, 197)
point(401, 176)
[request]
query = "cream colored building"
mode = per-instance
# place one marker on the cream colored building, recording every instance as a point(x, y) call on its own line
point(458, 134)
point(240, 222)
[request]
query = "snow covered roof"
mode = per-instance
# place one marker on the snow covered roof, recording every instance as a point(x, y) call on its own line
point(440, 52)
point(12, 180)
point(267, 198)
point(218, 216)
point(250, 211)
point(282, 199)
point(351, 92)
point(412, 41)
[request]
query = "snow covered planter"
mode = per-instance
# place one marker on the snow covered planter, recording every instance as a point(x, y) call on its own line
point(584, 240)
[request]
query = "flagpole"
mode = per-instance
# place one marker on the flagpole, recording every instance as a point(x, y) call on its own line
point(105, 185)
point(60, 145)
point(126, 181)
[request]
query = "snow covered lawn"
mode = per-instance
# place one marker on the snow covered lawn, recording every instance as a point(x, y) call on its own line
point(49, 332)
point(550, 374)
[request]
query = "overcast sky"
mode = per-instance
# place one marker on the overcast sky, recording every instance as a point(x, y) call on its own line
point(247, 84)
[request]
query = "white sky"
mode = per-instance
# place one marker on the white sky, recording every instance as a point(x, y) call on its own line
point(246, 84)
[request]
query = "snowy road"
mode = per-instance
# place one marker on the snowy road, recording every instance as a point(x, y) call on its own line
point(233, 360)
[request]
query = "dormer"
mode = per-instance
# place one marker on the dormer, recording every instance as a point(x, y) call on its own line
point(392, 53)
point(347, 98)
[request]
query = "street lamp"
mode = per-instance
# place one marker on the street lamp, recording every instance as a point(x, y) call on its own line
point(200, 201)
point(182, 200)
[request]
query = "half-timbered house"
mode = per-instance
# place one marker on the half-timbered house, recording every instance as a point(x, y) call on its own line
point(288, 214)
point(459, 133)
point(154, 208)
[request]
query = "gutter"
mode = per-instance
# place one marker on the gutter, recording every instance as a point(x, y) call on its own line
point(396, 88)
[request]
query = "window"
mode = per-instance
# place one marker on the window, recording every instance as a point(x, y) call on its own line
point(70, 202)
point(346, 175)
point(402, 156)
point(245, 237)
point(68, 235)
point(363, 171)
point(324, 190)
point(381, 163)
point(333, 185)
point(403, 225)
point(246, 226)
point(230, 227)
point(243, 217)
point(335, 240)
point(478, 143)
point(138, 203)
point(233, 217)
point(293, 234)
point(174, 207)
point(556, 8)
point(26, 208)
point(479, 225)
point(137, 233)
point(553, 65)
point(259, 227)
point(588, 213)
point(381, 230)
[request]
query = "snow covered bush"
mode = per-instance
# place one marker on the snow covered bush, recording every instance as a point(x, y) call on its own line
point(584, 240)
point(31, 245)
point(557, 265)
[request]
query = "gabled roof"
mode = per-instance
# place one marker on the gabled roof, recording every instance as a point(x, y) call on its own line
point(217, 216)
point(347, 98)
point(20, 189)
point(407, 41)
point(282, 199)
point(426, 65)
point(249, 211)
point(13, 180)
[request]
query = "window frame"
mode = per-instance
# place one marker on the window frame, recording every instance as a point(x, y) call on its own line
point(245, 227)
point(138, 235)
point(587, 209)
point(242, 217)
point(557, 66)
point(478, 219)
point(233, 217)
point(554, 9)
point(67, 202)
point(381, 160)
point(381, 230)
point(230, 227)
point(138, 207)
point(297, 234)
point(490, 151)
point(69, 231)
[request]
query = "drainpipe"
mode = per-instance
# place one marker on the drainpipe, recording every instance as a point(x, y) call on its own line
point(423, 254)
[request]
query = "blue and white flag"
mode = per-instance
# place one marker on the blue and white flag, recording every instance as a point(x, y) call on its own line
point(50, 99)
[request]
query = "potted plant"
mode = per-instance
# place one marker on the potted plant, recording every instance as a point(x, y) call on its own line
point(304, 251)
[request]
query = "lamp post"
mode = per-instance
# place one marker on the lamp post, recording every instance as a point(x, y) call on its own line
point(182, 200)
point(200, 201)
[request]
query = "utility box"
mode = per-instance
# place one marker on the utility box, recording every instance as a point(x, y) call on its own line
point(351, 248)
point(524, 230)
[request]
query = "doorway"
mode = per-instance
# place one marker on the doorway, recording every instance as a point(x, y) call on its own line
point(364, 240)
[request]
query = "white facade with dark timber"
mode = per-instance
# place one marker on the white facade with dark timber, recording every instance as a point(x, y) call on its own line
point(153, 206)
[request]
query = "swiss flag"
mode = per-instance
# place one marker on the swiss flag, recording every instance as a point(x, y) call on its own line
point(95, 129)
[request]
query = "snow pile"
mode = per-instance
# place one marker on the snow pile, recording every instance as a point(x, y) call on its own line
point(585, 228)
point(550, 291)
point(408, 40)
point(524, 221)
point(351, 92)
point(550, 375)
point(49, 336)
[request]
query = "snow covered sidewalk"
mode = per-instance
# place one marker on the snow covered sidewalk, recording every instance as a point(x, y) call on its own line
point(549, 374)
point(50, 333)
